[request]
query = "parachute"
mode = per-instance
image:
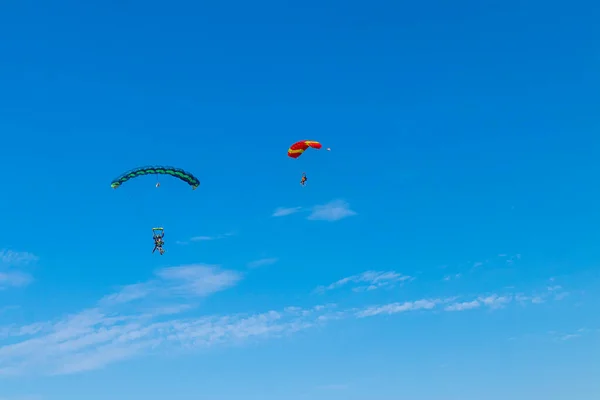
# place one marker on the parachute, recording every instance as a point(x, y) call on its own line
point(298, 148)
point(157, 170)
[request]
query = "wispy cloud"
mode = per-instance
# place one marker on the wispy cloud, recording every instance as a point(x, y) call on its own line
point(335, 210)
point(395, 308)
point(556, 292)
point(97, 337)
point(9, 277)
point(499, 261)
point(195, 280)
point(161, 315)
point(368, 280)
point(536, 299)
point(568, 336)
point(262, 262)
point(107, 333)
point(206, 238)
point(452, 277)
point(284, 211)
point(509, 259)
point(16, 258)
point(14, 279)
point(332, 211)
point(465, 305)
point(493, 301)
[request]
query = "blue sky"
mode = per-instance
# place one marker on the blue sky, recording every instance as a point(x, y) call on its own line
point(445, 249)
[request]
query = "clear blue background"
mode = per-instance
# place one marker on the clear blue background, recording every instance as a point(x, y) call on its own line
point(459, 130)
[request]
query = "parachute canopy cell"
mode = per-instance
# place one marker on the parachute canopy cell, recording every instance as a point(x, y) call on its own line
point(157, 170)
point(298, 148)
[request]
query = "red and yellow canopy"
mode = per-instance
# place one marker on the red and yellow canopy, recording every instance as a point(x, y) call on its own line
point(298, 148)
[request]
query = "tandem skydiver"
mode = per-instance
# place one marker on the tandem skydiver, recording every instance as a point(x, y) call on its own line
point(158, 240)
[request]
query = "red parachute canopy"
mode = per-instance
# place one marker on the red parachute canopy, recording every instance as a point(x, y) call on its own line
point(298, 148)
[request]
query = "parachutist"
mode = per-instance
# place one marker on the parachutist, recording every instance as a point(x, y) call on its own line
point(157, 184)
point(158, 240)
point(298, 148)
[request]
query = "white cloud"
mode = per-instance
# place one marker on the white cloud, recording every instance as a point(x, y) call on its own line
point(207, 238)
point(371, 280)
point(201, 238)
point(284, 211)
point(129, 293)
point(452, 277)
point(466, 305)
point(199, 280)
point(97, 337)
point(159, 316)
point(557, 291)
point(495, 301)
point(16, 258)
point(563, 337)
point(332, 211)
point(10, 277)
point(570, 336)
point(214, 237)
point(510, 259)
point(560, 296)
point(25, 330)
point(14, 279)
point(262, 262)
point(537, 300)
point(395, 308)
point(190, 280)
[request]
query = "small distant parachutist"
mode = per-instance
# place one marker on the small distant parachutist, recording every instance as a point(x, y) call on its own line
point(298, 148)
point(157, 184)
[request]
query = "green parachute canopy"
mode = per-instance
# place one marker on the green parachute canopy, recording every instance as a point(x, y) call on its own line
point(157, 170)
